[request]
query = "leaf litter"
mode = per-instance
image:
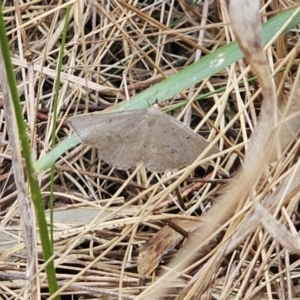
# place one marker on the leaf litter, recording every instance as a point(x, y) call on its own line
point(102, 255)
point(245, 22)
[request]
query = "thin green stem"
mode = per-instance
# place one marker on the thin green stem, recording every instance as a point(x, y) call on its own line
point(32, 180)
point(55, 111)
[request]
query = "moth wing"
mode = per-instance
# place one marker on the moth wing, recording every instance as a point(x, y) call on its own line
point(140, 136)
point(117, 135)
point(177, 145)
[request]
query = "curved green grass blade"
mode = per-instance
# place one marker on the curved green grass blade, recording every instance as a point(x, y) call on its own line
point(204, 68)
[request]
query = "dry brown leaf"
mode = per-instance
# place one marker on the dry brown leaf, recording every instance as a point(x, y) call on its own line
point(161, 243)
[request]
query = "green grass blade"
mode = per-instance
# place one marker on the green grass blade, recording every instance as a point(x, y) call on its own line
point(32, 180)
point(55, 112)
point(204, 68)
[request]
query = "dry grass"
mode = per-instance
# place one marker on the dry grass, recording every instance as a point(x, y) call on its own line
point(105, 217)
